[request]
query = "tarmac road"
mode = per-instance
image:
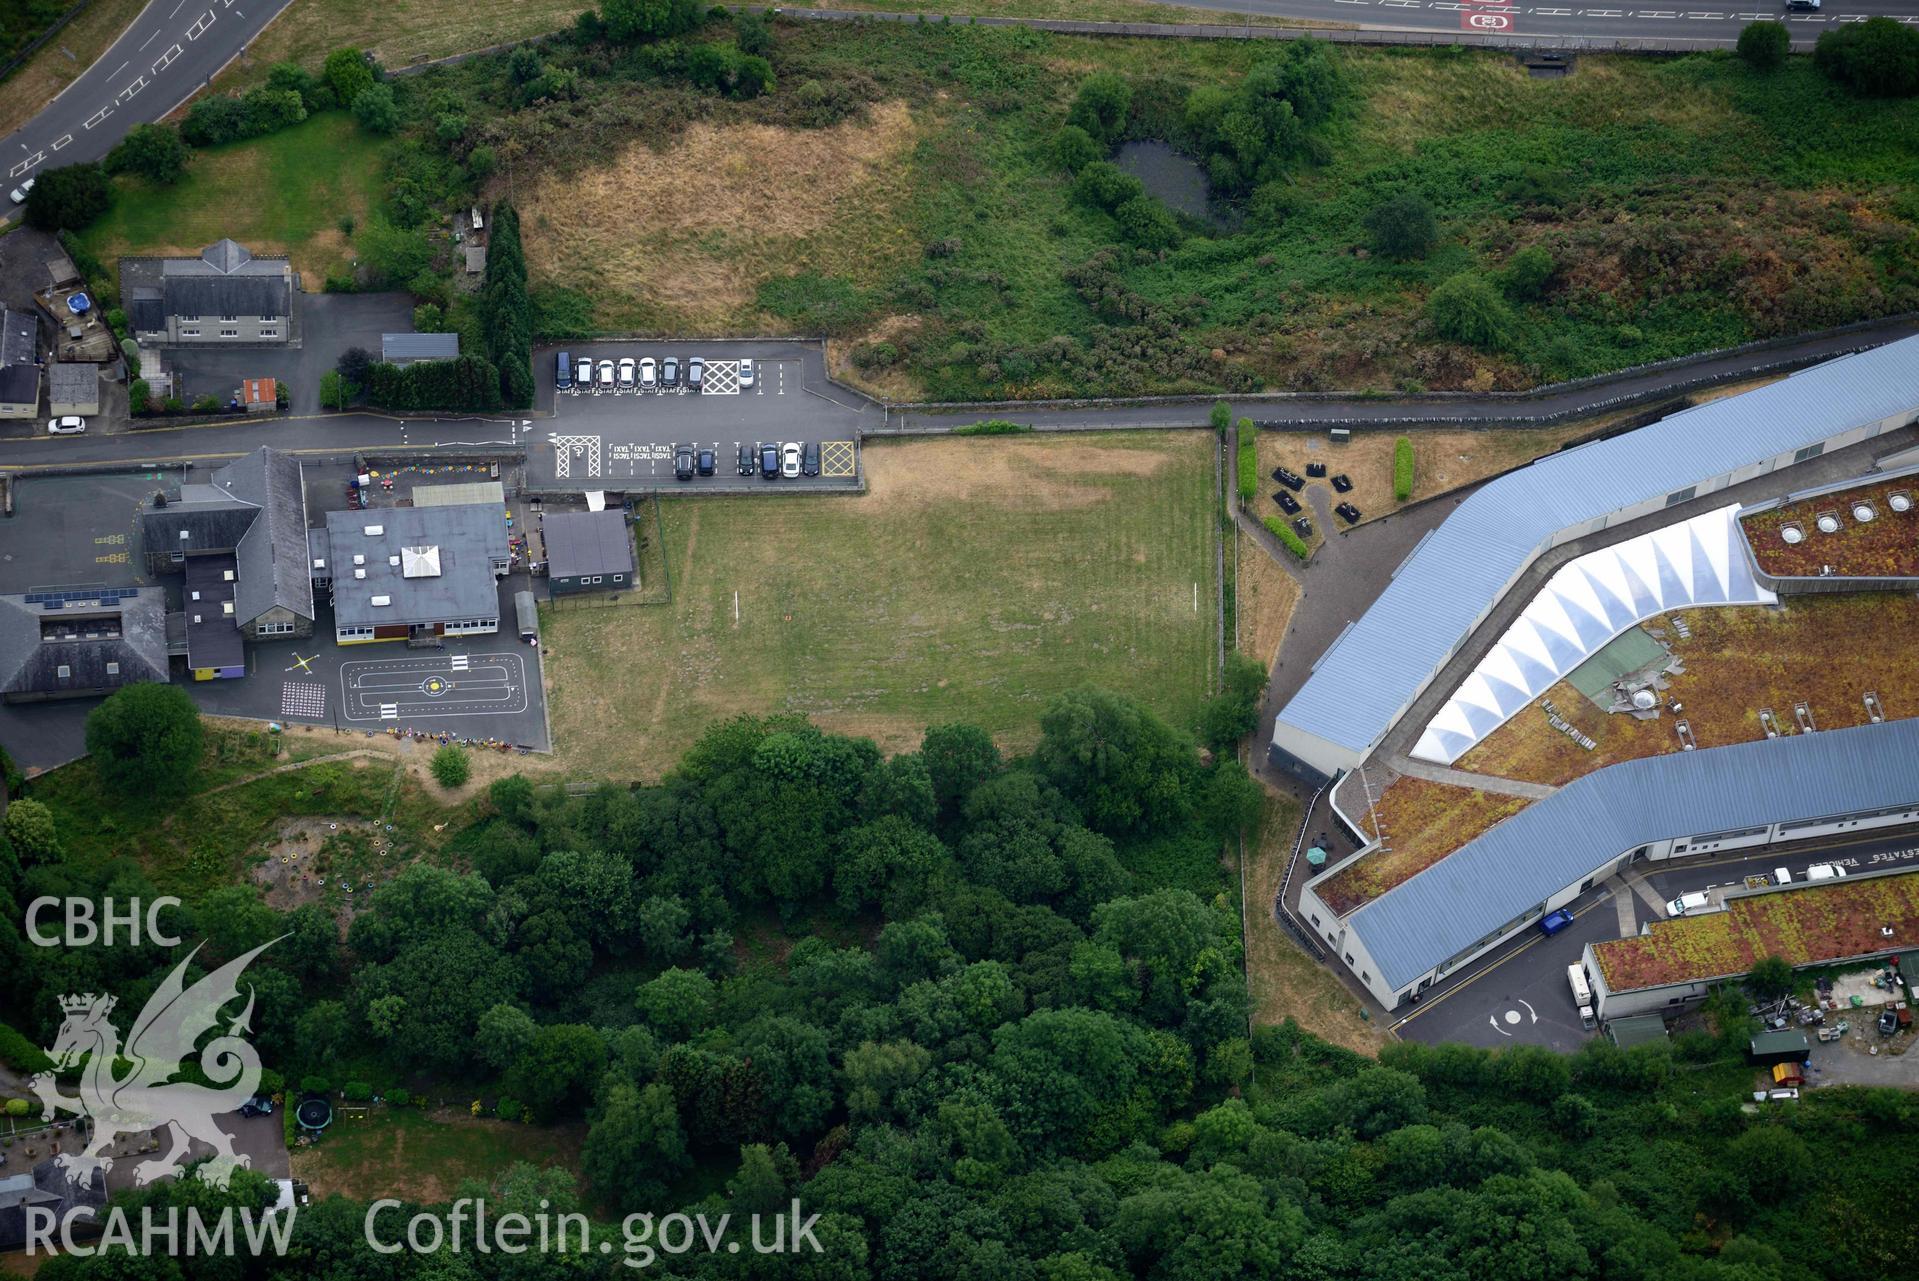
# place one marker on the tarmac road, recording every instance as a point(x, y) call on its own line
point(168, 54)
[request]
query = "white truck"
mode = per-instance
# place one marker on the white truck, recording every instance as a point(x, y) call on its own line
point(1582, 994)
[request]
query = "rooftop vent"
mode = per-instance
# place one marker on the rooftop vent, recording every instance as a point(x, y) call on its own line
point(381, 600)
point(183, 535)
point(1828, 522)
point(1792, 534)
point(1644, 699)
point(1863, 511)
point(1900, 502)
point(374, 531)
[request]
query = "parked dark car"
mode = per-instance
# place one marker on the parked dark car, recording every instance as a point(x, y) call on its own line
point(1316, 469)
point(769, 461)
point(1343, 483)
point(708, 462)
point(746, 463)
point(683, 463)
point(1348, 513)
point(811, 465)
point(1553, 922)
point(695, 374)
point(670, 372)
point(1287, 503)
point(1288, 479)
point(563, 371)
point(1303, 527)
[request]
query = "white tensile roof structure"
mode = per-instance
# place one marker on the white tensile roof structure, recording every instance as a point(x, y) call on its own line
point(1590, 600)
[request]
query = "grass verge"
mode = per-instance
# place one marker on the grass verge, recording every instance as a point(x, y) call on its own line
point(1284, 982)
point(60, 63)
point(973, 582)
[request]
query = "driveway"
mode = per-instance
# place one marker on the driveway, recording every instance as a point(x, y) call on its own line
point(328, 325)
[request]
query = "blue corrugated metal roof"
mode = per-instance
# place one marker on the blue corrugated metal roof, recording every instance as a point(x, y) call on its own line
point(1560, 840)
point(1454, 576)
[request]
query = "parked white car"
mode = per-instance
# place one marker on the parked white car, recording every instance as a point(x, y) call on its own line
point(67, 426)
point(606, 373)
point(19, 196)
point(649, 374)
point(626, 374)
point(746, 374)
point(790, 459)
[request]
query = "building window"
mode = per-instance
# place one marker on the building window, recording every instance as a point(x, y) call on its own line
point(1810, 451)
point(1364, 977)
point(229, 333)
point(1679, 496)
point(269, 333)
point(189, 333)
point(1349, 958)
point(230, 319)
point(619, 578)
point(189, 320)
point(354, 633)
point(274, 629)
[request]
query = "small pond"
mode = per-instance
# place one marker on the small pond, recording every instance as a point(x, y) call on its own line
point(1176, 179)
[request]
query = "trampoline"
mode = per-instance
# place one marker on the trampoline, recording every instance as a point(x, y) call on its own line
point(314, 1115)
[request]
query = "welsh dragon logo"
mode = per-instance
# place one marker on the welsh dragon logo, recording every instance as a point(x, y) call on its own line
point(131, 1089)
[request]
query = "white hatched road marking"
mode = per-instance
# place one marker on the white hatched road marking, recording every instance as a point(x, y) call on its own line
point(564, 447)
point(62, 142)
point(98, 116)
point(722, 378)
point(205, 21)
point(166, 60)
point(459, 662)
point(126, 94)
point(389, 711)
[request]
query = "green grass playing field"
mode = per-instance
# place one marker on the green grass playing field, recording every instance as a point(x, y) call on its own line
point(284, 193)
point(977, 579)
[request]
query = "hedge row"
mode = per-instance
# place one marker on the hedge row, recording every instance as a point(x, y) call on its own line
point(1284, 533)
point(1403, 468)
point(467, 383)
point(1248, 461)
point(993, 427)
point(22, 1055)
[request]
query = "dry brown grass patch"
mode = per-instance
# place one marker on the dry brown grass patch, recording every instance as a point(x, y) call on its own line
point(1267, 596)
point(1032, 473)
point(693, 228)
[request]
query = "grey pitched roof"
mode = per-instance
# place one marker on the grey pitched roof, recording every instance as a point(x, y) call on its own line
point(226, 255)
point(30, 665)
point(49, 1188)
point(19, 384)
point(396, 347)
point(67, 381)
point(18, 329)
point(1376, 669)
point(214, 296)
point(468, 538)
point(145, 311)
point(254, 507)
point(586, 543)
point(225, 258)
point(1562, 839)
point(272, 554)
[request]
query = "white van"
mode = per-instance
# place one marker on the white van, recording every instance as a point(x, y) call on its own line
point(1685, 903)
point(1824, 872)
point(1782, 876)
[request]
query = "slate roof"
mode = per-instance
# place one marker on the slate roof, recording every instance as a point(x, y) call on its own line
point(19, 384)
point(211, 297)
point(145, 312)
point(585, 543)
point(30, 665)
point(255, 507)
point(49, 1188)
point(407, 347)
point(1563, 838)
point(469, 539)
point(1374, 671)
point(18, 330)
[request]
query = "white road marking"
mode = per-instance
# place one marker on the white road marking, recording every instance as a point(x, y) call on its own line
point(205, 21)
point(126, 94)
point(98, 116)
point(116, 71)
point(149, 40)
point(166, 59)
point(177, 8)
point(62, 142)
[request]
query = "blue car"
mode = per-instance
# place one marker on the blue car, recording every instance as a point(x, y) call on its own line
point(1553, 922)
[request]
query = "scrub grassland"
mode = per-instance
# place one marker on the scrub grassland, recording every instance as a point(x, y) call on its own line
point(900, 189)
point(976, 580)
